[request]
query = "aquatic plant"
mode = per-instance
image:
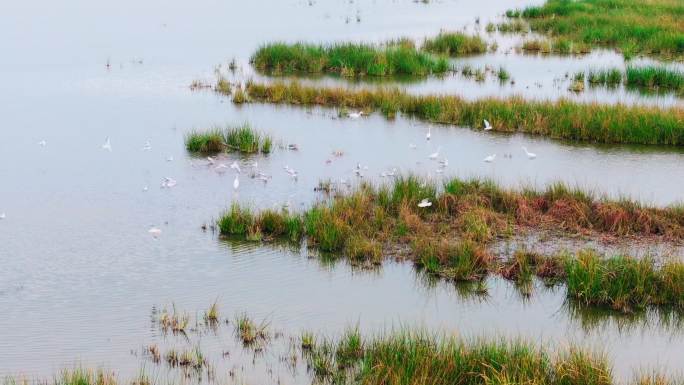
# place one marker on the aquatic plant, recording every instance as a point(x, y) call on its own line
point(655, 77)
point(248, 331)
point(347, 59)
point(418, 357)
point(561, 119)
point(651, 27)
point(607, 77)
point(241, 138)
point(455, 44)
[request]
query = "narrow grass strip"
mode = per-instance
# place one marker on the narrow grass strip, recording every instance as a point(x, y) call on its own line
point(655, 77)
point(242, 139)
point(561, 119)
point(347, 59)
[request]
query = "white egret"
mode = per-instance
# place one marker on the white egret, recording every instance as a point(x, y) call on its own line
point(487, 126)
point(169, 182)
point(235, 166)
point(435, 155)
point(429, 133)
point(490, 158)
point(107, 145)
point(236, 182)
point(155, 232)
point(211, 161)
point(42, 143)
point(145, 188)
point(355, 115)
point(530, 155)
point(148, 146)
point(424, 203)
point(3, 216)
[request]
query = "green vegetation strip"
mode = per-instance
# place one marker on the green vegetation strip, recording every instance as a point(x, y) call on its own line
point(652, 27)
point(656, 77)
point(556, 119)
point(455, 44)
point(242, 139)
point(448, 239)
point(348, 59)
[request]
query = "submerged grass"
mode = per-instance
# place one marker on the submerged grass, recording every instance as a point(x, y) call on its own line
point(241, 138)
point(561, 119)
point(651, 27)
point(455, 44)
point(449, 238)
point(347, 59)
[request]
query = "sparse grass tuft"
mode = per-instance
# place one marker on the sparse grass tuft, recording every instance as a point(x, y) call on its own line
point(249, 332)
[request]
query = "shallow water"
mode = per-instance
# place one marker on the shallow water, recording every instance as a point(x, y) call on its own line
point(80, 273)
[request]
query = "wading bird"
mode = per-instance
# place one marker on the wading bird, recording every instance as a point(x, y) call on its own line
point(490, 158)
point(107, 145)
point(487, 126)
point(530, 155)
point(424, 203)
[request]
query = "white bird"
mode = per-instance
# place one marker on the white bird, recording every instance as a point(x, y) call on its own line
point(490, 158)
point(155, 232)
point(3, 216)
point(148, 146)
point(235, 166)
point(355, 115)
point(168, 182)
point(236, 182)
point(42, 143)
point(211, 161)
point(424, 203)
point(530, 155)
point(487, 126)
point(107, 145)
point(429, 133)
point(435, 155)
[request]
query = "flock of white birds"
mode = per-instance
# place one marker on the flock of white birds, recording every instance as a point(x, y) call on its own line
point(222, 167)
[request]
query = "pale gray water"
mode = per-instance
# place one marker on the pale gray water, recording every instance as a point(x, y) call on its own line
point(80, 273)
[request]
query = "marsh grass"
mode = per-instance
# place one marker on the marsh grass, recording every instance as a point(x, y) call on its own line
point(243, 139)
point(82, 376)
point(624, 284)
point(416, 358)
point(651, 27)
point(174, 320)
point(561, 119)
point(605, 77)
point(347, 59)
point(455, 44)
point(554, 46)
point(249, 332)
point(655, 77)
point(211, 316)
point(449, 239)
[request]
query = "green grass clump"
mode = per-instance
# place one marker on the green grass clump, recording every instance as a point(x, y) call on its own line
point(81, 376)
point(242, 139)
point(205, 142)
point(418, 358)
point(562, 119)
point(236, 221)
point(348, 59)
point(606, 77)
point(651, 27)
point(455, 44)
point(655, 77)
point(623, 283)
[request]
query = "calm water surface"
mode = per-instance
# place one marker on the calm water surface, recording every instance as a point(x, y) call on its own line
point(80, 273)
